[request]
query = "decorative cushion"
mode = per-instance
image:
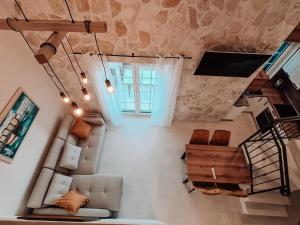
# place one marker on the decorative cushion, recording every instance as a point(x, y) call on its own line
point(81, 129)
point(72, 201)
point(70, 157)
point(60, 185)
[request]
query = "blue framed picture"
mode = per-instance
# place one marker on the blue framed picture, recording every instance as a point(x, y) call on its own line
point(15, 120)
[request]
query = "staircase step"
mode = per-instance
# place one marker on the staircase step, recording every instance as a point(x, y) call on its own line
point(259, 209)
point(269, 198)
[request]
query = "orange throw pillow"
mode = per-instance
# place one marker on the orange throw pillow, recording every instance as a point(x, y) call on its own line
point(81, 129)
point(71, 201)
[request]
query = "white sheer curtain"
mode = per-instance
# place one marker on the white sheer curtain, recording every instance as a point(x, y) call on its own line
point(168, 72)
point(109, 102)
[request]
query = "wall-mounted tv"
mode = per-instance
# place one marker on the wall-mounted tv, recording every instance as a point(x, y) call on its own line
point(230, 64)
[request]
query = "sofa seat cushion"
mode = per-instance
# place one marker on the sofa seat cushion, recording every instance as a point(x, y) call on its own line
point(91, 151)
point(103, 191)
point(83, 212)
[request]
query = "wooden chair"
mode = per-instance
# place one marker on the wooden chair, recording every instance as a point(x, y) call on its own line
point(220, 138)
point(199, 137)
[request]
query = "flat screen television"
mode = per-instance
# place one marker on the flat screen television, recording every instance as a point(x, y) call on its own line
point(230, 64)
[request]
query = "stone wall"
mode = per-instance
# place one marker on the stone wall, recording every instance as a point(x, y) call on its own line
point(168, 27)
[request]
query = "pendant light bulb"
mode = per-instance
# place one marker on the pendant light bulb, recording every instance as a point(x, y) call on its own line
point(86, 94)
point(84, 78)
point(65, 98)
point(109, 88)
point(77, 111)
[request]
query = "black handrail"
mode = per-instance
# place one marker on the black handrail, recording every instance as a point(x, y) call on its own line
point(266, 168)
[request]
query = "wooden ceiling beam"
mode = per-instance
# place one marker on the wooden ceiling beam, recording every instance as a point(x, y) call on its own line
point(49, 48)
point(52, 25)
point(294, 35)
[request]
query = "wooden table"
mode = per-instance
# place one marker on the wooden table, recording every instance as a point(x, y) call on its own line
point(228, 162)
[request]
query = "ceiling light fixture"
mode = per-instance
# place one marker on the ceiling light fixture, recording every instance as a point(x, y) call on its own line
point(86, 94)
point(76, 109)
point(84, 78)
point(65, 98)
point(109, 87)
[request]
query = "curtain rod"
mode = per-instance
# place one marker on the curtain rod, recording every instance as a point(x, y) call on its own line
point(136, 56)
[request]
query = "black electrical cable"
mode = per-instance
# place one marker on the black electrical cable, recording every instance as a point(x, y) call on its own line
point(69, 11)
point(72, 64)
point(99, 54)
point(73, 53)
point(44, 66)
point(19, 6)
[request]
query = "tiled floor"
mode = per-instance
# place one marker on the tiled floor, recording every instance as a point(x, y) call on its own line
point(149, 160)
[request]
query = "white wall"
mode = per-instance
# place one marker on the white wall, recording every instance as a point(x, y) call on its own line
point(18, 68)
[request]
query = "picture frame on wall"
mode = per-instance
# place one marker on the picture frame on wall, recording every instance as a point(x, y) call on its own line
point(15, 120)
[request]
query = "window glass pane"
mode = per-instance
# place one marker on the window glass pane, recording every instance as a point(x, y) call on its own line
point(125, 77)
point(147, 80)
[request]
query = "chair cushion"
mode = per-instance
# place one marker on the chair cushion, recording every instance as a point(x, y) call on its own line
point(60, 185)
point(83, 212)
point(103, 191)
point(91, 151)
point(71, 201)
point(81, 129)
point(40, 189)
point(70, 157)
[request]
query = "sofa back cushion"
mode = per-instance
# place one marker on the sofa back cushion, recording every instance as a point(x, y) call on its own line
point(65, 126)
point(54, 153)
point(40, 189)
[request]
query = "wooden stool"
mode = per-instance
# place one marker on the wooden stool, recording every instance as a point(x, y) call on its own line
point(233, 190)
point(220, 138)
point(199, 137)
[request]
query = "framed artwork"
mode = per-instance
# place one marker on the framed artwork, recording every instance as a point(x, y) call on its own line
point(15, 120)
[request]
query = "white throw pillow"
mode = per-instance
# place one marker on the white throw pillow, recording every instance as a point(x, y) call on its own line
point(70, 157)
point(60, 185)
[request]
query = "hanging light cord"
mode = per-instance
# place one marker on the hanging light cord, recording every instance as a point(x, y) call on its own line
point(51, 68)
point(99, 54)
point(72, 65)
point(69, 11)
point(25, 39)
point(19, 6)
point(73, 54)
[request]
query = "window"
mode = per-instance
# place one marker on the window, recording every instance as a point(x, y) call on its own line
point(135, 85)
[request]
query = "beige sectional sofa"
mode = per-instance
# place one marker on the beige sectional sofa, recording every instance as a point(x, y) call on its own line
point(104, 191)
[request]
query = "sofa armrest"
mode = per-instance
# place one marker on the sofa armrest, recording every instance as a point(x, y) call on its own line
point(103, 191)
point(94, 120)
point(82, 212)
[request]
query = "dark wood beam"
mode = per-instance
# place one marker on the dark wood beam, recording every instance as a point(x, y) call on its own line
point(52, 25)
point(49, 48)
point(294, 35)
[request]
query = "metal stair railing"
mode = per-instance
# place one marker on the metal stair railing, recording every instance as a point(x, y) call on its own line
point(265, 151)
